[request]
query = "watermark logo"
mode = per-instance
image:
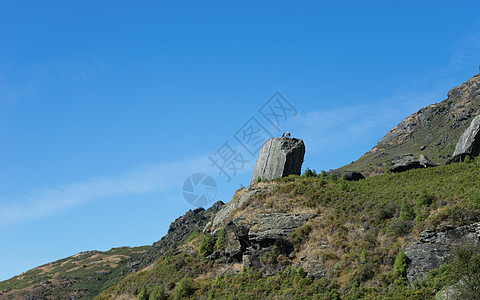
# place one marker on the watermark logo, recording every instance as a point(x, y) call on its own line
point(199, 189)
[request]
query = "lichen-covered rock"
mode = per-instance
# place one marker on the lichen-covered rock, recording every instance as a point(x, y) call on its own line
point(434, 247)
point(227, 209)
point(408, 162)
point(236, 241)
point(279, 157)
point(469, 142)
point(271, 227)
point(405, 163)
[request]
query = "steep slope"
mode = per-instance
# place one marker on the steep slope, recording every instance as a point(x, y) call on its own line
point(86, 274)
point(305, 237)
point(433, 130)
point(83, 275)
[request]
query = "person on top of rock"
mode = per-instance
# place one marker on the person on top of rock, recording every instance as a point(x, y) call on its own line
point(288, 134)
point(283, 134)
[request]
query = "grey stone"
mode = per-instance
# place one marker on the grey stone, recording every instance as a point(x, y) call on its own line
point(348, 175)
point(469, 142)
point(236, 241)
point(426, 162)
point(405, 163)
point(279, 157)
point(227, 209)
point(274, 226)
point(408, 162)
point(434, 247)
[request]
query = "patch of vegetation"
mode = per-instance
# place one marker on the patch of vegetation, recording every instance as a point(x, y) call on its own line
point(206, 246)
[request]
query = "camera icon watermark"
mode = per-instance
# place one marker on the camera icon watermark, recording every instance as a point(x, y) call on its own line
point(199, 189)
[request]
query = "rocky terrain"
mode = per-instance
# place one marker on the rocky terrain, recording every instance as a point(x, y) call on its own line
point(433, 131)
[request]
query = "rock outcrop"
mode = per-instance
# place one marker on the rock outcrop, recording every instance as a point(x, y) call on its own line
point(279, 157)
point(408, 162)
point(274, 226)
point(469, 142)
point(179, 231)
point(227, 209)
point(434, 247)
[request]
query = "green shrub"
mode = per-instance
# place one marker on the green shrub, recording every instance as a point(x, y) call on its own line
point(323, 174)
point(143, 295)
point(468, 159)
point(184, 288)
point(309, 173)
point(424, 199)
point(259, 179)
point(221, 242)
point(158, 293)
point(401, 227)
point(387, 211)
point(301, 272)
point(343, 185)
point(193, 236)
point(332, 177)
point(407, 213)
point(465, 269)
point(400, 266)
point(206, 246)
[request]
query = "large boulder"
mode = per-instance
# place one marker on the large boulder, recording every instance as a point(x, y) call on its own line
point(408, 162)
point(469, 142)
point(279, 157)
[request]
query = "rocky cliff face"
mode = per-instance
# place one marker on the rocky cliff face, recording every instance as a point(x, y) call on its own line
point(434, 130)
point(469, 142)
point(434, 247)
point(279, 157)
point(193, 221)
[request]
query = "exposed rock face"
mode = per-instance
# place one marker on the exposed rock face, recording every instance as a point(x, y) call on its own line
point(279, 157)
point(408, 162)
point(274, 226)
point(248, 243)
point(434, 248)
point(226, 210)
point(237, 241)
point(348, 175)
point(469, 142)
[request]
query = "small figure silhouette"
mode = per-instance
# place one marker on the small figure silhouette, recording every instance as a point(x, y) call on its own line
point(283, 135)
point(288, 134)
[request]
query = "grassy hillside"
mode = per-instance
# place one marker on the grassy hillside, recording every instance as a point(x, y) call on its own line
point(83, 275)
point(357, 238)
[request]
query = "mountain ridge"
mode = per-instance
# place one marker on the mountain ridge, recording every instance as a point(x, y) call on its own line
point(433, 130)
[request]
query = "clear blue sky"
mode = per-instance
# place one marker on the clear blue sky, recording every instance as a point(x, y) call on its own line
point(107, 107)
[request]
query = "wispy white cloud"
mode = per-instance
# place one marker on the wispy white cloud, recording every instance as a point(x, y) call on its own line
point(466, 52)
point(346, 125)
point(164, 178)
point(50, 201)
